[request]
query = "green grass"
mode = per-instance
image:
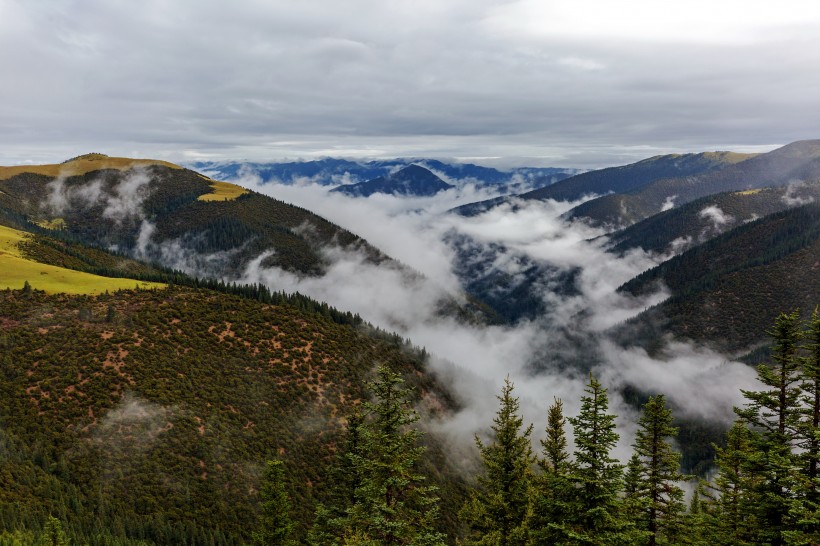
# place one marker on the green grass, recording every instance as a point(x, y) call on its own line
point(15, 270)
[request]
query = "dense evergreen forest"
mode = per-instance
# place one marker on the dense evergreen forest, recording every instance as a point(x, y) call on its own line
point(71, 476)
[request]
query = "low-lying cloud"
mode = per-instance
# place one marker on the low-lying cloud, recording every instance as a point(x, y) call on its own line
point(475, 359)
point(122, 201)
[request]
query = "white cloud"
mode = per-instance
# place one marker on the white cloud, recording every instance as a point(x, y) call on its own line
point(475, 359)
point(791, 198)
point(717, 217)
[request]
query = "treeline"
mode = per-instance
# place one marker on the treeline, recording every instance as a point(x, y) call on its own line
point(766, 489)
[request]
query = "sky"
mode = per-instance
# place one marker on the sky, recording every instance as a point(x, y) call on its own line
point(567, 83)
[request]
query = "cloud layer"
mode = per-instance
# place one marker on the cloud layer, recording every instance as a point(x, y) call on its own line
point(699, 383)
point(523, 81)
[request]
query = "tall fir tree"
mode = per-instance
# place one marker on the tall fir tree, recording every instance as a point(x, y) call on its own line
point(658, 472)
point(53, 534)
point(554, 494)
point(392, 503)
point(732, 497)
point(774, 415)
point(805, 509)
point(345, 479)
point(275, 524)
point(597, 475)
point(497, 512)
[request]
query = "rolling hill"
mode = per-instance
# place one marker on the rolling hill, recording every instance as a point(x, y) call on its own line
point(169, 215)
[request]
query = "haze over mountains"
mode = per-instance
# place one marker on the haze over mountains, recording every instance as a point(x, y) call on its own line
point(539, 287)
point(332, 172)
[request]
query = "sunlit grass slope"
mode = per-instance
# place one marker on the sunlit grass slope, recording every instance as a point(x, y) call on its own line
point(223, 191)
point(82, 165)
point(15, 270)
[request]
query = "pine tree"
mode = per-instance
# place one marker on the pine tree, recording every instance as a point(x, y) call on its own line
point(275, 524)
point(392, 504)
point(597, 476)
point(498, 509)
point(658, 471)
point(331, 517)
point(53, 534)
point(554, 446)
point(774, 415)
point(805, 508)
point(554, 493)
point(735, 489)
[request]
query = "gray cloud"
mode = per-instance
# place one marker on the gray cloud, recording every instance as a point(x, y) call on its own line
point(493, 79)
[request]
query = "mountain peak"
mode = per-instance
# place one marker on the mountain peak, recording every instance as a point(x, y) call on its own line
point(412, 180)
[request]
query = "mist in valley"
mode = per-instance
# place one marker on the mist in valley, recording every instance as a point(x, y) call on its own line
point(546, 356)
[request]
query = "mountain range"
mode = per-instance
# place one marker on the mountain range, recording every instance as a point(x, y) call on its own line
point(332, 172)
point(144, 383)
point(412, 180)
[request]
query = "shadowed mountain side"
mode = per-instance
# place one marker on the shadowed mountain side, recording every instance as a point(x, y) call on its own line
point(796, 162)
point(698, 221)
point(728, 291)
point(628, 177)
point(619, 179)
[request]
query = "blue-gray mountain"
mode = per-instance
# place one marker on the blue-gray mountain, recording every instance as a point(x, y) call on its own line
point(332, 171)
point(412, 180)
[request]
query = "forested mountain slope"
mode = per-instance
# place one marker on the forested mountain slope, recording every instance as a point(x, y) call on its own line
point(619, 179)
point(798, 162)
point(698, 221)
point(729, 289)
point(149, 414)
point(170, 215)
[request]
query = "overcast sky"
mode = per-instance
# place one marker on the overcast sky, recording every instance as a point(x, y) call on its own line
point(575, 83)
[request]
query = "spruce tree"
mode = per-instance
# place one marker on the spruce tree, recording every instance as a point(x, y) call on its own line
point(774, 416)
point(597, 476)
point(392, 503)
point(344, 480)
point(53, 534)
point(554, 446)
point(275, 524)
point(554, 493)
point(499, 507)
point(734, 490)
point(658, 471)
point(805, 508)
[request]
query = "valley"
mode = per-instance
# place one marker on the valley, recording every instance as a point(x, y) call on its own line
point(176, 331)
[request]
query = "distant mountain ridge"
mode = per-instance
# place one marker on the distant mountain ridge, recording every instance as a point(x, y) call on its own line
point(412, 180)
point(730, 289)
point(698, 221)
point(618, 179)
point(331, 171)
point(795, 162)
